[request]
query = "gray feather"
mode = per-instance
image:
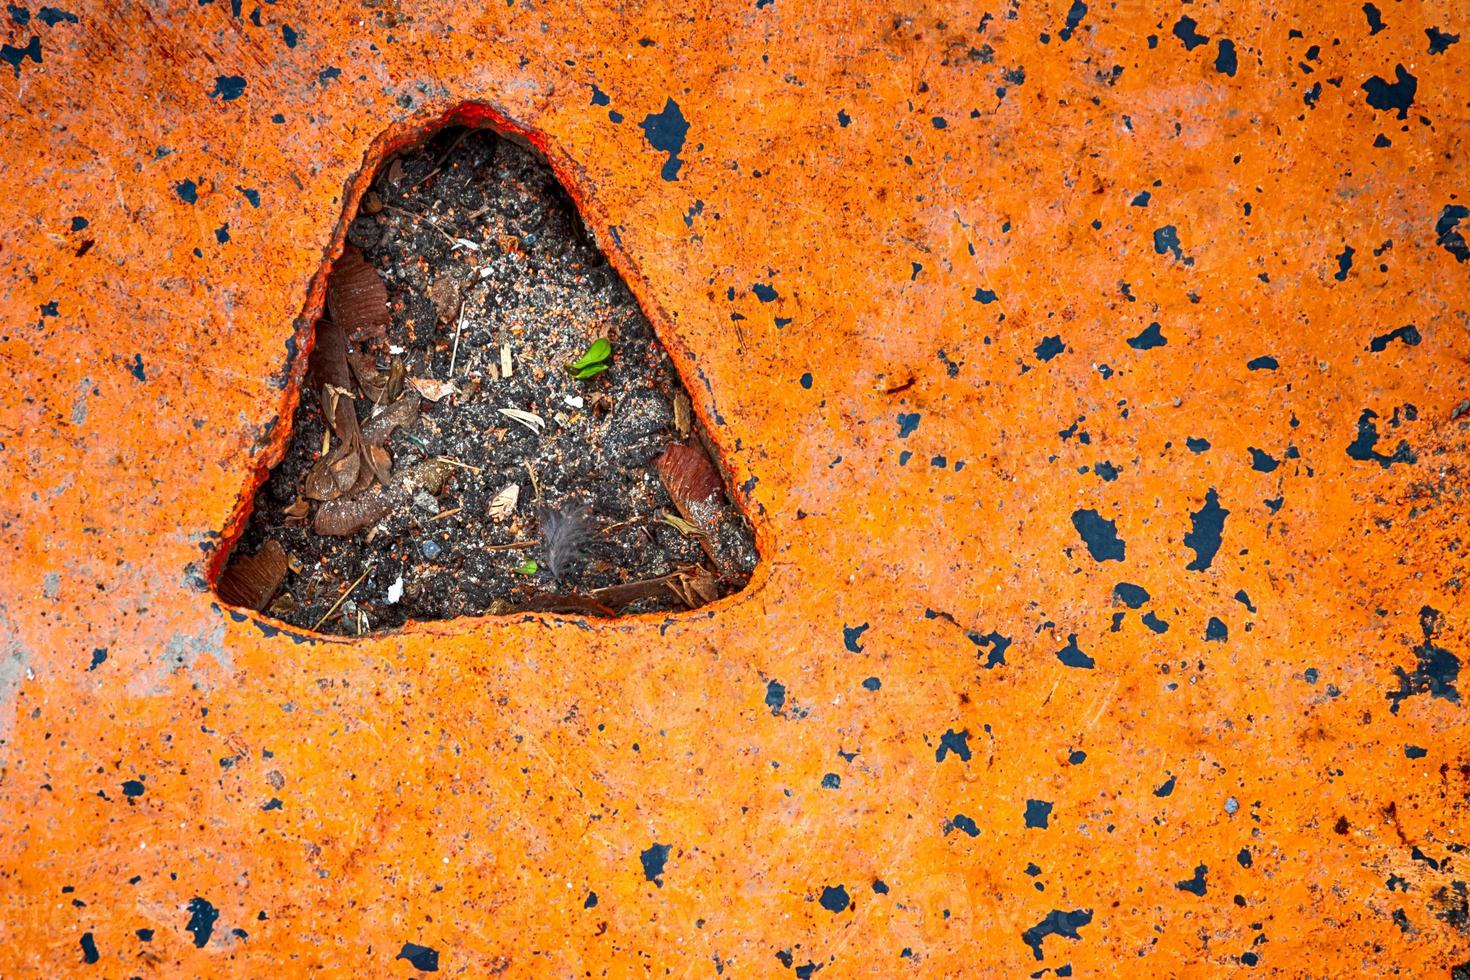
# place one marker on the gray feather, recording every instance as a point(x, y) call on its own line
point(566, 532)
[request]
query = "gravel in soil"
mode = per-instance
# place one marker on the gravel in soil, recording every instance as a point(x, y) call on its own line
point(485, 475)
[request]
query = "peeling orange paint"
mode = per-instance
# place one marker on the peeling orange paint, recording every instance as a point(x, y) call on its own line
point(933, 736)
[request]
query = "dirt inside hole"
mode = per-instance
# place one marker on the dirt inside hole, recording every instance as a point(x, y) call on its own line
point(413, 491)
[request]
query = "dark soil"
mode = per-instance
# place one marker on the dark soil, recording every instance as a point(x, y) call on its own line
point(532, 279)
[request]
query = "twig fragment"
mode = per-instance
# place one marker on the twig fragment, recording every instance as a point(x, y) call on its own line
point(341, 599)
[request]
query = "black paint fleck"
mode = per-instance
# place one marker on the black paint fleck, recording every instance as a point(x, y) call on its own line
point(1100, 535)
point(423, 958)
point(1049, 347)
point(13, 56)
point(1151, 337)
point(1408, 334)
point(835, 899)
point(228, 88)
point(1363, 447)
point(1440, 41)
point(1206, 532)
point(1225, 60)
point(1132, 596)
point(202, 917)
point(1195, 885)
point(956, 742)
point(775, 696)
point(1436, 671)
point(1397, 95)
point(1447, 231)
point(1056, 923)
point(1072, 656)
point(1375, 19)
point(665, 131)
point(1184, 30)
point(961, 823)
point(653, 861)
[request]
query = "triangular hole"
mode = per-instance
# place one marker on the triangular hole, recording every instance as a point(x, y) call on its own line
point(507, 433)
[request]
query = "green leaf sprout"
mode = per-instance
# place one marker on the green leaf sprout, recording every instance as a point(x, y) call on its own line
point(593, 362)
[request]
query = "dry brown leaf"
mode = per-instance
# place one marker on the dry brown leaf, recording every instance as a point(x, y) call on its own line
point(503, 504)
point(378, 461)
point(282, 606)
point(298, 511)
point(680, 525)
point(444, 294)
point(692, 482)
point(694, 487)
point(348, 515)
point(397, 372)
point(365, 369)
point(341, 470)
point(334, 474)
point(329, 356)
point(249, 581)
point(356, 297)
point(700, 584)
point(401, 414)
point(682, 414)
point(693, 585)
point(564, 603)
point(345, 470)
point(433, 389)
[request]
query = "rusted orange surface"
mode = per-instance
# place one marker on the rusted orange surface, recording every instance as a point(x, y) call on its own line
point(932, 737)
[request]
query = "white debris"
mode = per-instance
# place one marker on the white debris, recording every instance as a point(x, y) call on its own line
point(503, 504)
point(530, 420)
point(574, 401)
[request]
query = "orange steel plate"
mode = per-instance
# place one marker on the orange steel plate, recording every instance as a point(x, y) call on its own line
point(1078, 643)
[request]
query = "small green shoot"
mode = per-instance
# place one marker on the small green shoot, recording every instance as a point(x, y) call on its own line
point(528, 567)
point(593, 362)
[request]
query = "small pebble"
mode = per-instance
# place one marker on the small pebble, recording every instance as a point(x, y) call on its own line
point(430, 548)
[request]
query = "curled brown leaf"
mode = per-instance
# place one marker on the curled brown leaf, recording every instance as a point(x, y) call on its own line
point(329, 356)
point(249, 581)
point(692, 482)
point(356, 297)
point(348, 515)
point(340, 471)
